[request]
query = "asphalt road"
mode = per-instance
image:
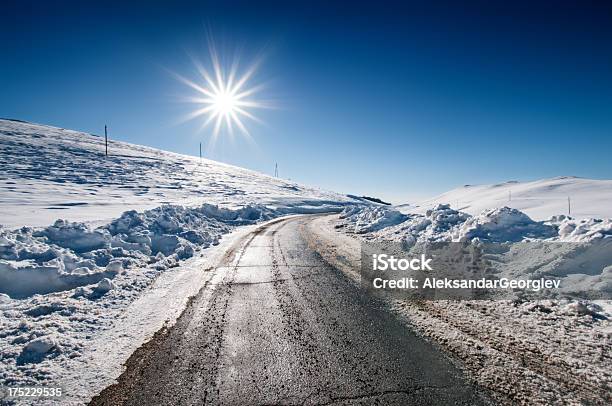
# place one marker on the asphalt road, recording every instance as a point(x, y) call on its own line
point(279, 325)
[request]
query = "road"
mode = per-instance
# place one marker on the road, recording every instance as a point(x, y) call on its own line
point(278, 324)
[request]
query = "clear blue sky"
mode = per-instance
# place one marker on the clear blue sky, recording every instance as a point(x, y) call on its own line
point(398, 102)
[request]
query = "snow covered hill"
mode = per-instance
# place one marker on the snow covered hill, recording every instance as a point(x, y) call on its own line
point(539, 199)
point(99, 252)
point(48, 173)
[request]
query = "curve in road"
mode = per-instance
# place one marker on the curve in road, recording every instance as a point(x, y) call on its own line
point(279, 325)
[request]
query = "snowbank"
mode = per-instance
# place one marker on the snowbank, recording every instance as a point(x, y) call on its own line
point(581, 230)
point(442, 223)
point(388, 222)
point(578, 253)
point(373, 219)
point(67, 255)
point(502, 225)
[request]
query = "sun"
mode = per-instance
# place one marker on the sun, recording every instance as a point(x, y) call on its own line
point(225, 103)
point(223, 98)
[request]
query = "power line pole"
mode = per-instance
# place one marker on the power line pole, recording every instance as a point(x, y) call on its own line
point(105, 140)
point(569, 206)
point(276, 170)
point(200, 151)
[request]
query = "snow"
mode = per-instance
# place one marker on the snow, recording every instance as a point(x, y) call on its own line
point(538, 352)
point(80, 293)
point(547, 351)
point(538, 199)
point(36, 349)
point(376, 218)
point(502, 225)
point(98, 253)
point(104, 286)
point(577, 253)
point(66, 255)
point(48, 173)
point(443, 223)
point(525, 352)
point(582, 230)
point(46, 169)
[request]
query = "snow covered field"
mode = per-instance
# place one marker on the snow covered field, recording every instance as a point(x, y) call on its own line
point(97, 253)
point(48, 173)
point(539, 199)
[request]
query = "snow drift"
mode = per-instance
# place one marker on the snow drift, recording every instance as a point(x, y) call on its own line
point(443, 223)
point(577, 252)
point(66, 255)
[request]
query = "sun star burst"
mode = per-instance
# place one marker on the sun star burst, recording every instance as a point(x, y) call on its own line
point(223, 98)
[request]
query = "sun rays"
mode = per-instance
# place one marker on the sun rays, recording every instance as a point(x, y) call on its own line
point(224, 96)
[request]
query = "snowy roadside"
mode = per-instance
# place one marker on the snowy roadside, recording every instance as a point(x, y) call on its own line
point(533, 352)
point(115, 326)
point(525, 351)
point(102, 361)
point(78, 296)
point(82, 299)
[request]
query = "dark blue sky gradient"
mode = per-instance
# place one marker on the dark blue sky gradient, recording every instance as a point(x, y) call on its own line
point(395, 100)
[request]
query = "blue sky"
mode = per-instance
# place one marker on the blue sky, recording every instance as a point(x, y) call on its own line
point(399, 101)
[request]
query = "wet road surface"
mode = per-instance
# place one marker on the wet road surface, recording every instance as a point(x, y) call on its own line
point(277, 325)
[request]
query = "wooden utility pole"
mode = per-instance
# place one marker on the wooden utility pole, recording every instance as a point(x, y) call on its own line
point(105, 141)
point(276, 170)
point(200, 151)
point(569, 206)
